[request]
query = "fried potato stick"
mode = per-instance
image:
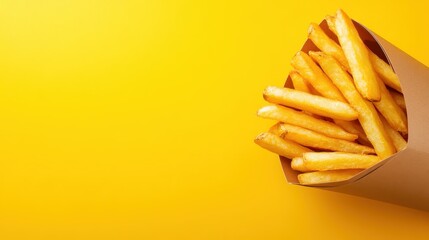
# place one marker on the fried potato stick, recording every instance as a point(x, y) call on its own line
point(327, 45)
point(368, 116)
point(397, 139)
point(327, 176)
point(299, 83)
point(322, 161)
point(319, 105)
point(297, 118)
point(355, 128)
point(312, 73)
point(280, 146)
point(383, 69)
point(297, 164)
point(399, 99)
point(316, 140)
point(357, 56)
point(394, 115)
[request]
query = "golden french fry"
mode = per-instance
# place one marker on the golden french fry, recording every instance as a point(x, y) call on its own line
point(327, 45)
point(322, 161)
point(275, 129)
point(368, 116)
point(316, 140)
point(383, 69)
point(311, 103)
point(397, 139)
point(310, 178)
point(291, 116)
point(399, 99)
point(385, 72)
point(330, 20)
point(355, 128)
point(311, 72)
point(299, 83)
point(297, 164)
point(357, 56)
point(394, 115)
point(280, 146)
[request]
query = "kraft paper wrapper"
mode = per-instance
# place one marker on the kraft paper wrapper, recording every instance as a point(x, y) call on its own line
point(401, 178)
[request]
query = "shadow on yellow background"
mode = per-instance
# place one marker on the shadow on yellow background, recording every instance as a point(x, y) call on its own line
point(136, 119)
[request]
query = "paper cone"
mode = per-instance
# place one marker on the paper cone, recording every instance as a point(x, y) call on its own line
point(401, 178)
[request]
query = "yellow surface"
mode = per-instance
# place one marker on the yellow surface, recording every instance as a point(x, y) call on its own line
point(135, 120)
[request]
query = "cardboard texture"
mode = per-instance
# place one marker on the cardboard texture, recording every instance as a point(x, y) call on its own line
point(401, 178)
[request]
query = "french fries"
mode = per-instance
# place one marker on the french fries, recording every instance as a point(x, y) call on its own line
point(340, 117)
point(368, 116)
point(355, 128)
point(399, 99)
point(319, 177)
point(357, 56)
point(385, 72)
point(330, 20)
point(299, 83)
point(282, 147)
point(394, 115)
point(327, 45)
point(322, 161)
point(398, 141)
point(311, 103)
point(297, 163)
point(291, 116)
point(311, 72)
point(383, 69)
point(316, 140)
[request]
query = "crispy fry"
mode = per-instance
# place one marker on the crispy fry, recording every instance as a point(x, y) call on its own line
point(327, 176)
point(327, 45)
point(383, 69)
point(368, 116)
point(276, 130)
point(311, 72)
point(316, 140)
point(399, 99)
point(355, 128)
point(322, 161)
point(280, 146)
point(291, 116)
point(297, 164)
point(314, 104)
point(330, 20)
point(299, 83)
point(357, 56)
point(394, 115)
point(397, 139)
point(385, 72)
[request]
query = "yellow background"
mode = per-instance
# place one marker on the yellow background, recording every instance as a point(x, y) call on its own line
point(136, 119)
